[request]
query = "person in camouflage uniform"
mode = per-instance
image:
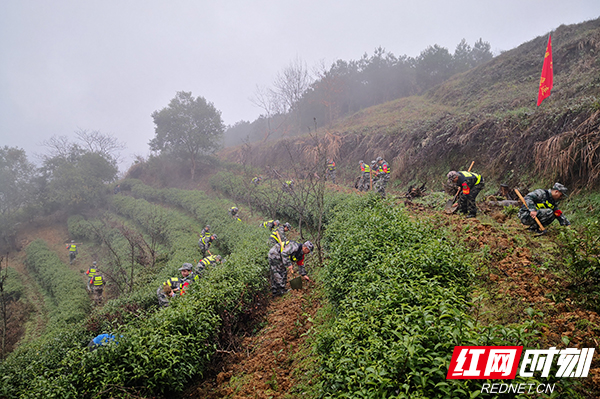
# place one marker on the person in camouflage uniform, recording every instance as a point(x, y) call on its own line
point(205, 263)
point(470, 184)
point(282, 229)
point(205, 231)
point(364, 183)
point(205, 242)
point(330, 171)
point(233, 212)
point(172, 286)
point(383, 175)
point(281, 258)
point(270, 224)
point(288, 186)
point(543, 204)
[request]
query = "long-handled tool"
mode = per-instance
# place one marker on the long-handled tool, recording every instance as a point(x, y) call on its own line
point(450, 206)
point(540, 225)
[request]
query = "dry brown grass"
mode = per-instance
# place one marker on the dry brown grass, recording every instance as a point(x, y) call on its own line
point(329, 145)
point(573, 154)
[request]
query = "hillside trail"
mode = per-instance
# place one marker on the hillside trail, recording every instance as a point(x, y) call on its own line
point(266, 364)
point(55, 235)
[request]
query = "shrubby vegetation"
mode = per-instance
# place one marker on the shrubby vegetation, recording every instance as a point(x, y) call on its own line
point(400, 294)
point(158, 352)
point(64, 288)
point(580, 251)
point(299, 206)
point(73, 176)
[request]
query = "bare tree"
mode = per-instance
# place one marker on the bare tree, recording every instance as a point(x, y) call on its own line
point(268, 101)
point(59, 147)
point(104, 144)
point(94, 141)
point(331, 87)
point(291, 83)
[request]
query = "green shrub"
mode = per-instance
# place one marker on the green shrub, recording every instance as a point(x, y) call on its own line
point(580, 251)
point(158, 351)
point(400, 293)
point(65, 288)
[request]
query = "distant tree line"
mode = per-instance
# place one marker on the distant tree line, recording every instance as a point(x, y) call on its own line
point(298, 95)
point(72, 177)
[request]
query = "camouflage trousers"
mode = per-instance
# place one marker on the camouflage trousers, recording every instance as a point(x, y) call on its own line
point(466, 203)
point(380, 184)
point(204, 248)
point(545, 216)
point(331, 175)
point(163, 300)
point(365, 182)
point(278, 273)
point(97, 292)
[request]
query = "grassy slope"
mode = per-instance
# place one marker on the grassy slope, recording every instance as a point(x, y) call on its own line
point(487, 114)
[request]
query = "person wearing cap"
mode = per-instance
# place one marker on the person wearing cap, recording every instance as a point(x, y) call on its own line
point(470, 185)
point(205, 242)
point(364, 184)
point(205, 232)
point(281, 257)
point(91, 272)
point(543, 204)
point(330, 170)
point(72, 247)
point(288, 186)
point(174, 285)
point(270, 224)
point(280, 230)
point(233, 212)
point(383, 175)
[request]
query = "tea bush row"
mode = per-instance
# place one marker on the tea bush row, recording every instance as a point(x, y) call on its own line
point(63, 287)
point(269, 198)
point(400, 295)
point(170, 347)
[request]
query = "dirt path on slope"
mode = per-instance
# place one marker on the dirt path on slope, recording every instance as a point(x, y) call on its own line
point(266, 365)
point(30, 314)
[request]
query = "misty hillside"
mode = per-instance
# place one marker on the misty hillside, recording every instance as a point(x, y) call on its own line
point(487, 114)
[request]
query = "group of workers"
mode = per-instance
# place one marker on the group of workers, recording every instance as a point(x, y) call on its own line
point(378, 173)
point(95, 279)
point(540, 206)
point(282, 255)
point(177, 285)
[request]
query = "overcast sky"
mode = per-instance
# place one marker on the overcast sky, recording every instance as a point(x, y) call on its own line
point(108, 64)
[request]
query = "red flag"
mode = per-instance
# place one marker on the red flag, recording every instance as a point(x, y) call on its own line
point(547, 74)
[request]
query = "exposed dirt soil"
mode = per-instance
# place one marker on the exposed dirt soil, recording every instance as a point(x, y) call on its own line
point(264, 367)
point(28, 316)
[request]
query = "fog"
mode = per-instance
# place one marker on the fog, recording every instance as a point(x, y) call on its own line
point(106, 66)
